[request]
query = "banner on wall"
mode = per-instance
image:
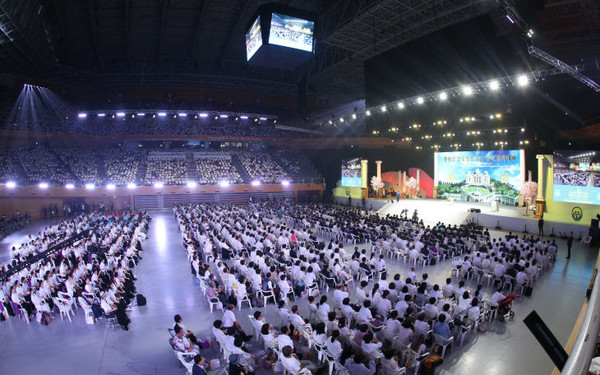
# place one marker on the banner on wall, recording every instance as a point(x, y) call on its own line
point(576, 176)
point(480, 176)
point(351, 173)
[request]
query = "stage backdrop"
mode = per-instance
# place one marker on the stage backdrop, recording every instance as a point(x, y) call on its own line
point(577, 176)
point(480, 176)
point(351, 173)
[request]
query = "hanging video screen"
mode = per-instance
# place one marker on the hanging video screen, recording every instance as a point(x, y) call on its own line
point(480, 176)
point(291, 32)
point(253, 39)
point(577, 176)
point(351, 173)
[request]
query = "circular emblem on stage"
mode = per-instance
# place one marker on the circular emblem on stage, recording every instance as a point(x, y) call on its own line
point(347, 192)
point(576, 213)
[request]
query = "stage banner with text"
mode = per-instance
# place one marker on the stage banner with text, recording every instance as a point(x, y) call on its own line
point(351, 173)
point(480, 176)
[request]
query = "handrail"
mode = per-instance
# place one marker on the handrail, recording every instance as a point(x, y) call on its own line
point(583, 349)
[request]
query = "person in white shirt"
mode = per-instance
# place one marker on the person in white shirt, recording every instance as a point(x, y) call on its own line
point(334, 347)
point(340, 294)
point(405, 333)
point(370, 344)
point(364, 314)
point(183, 343)
point(392, 326)
point(497, 297)
point(229, 320)
point(292, 364)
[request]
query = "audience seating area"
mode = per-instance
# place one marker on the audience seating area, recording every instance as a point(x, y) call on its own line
point(213, 168)
point(120, 166)
point(93, 273)
point(251, 256)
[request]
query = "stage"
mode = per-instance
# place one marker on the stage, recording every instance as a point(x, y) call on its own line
point(432, 211)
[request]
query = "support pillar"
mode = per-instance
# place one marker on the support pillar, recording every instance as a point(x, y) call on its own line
point(364, 173)
point(378, 162)
point(540, 200)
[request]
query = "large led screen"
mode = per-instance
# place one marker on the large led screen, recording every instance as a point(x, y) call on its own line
point(351, 173)
point(480, 176)
point(291, 32)
point(577, 177)
point(253, 39)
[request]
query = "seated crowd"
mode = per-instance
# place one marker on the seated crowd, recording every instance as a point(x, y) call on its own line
point(261, 166)
point(167, 171)
point(121, 166)
point(94, 272)
point(212, 170)
point(253, 255)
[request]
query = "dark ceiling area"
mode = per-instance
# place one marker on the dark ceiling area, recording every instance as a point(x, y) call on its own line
point(423, 44)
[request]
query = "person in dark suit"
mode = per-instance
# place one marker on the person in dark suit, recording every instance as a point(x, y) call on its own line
point(569, 244)
point(541, 226)
point(198, 367)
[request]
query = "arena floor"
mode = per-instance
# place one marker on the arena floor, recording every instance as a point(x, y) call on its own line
point(164, 278)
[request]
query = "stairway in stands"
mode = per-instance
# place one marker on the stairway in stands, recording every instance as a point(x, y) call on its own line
point(140, 174)
point(65, 166)
point(18, 170)
point(101, 168)
point(235, 161)
point(190, 163)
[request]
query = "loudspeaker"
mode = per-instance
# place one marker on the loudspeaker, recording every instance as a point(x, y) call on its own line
point(545, 337)
point(476, 210)
point(594, 223)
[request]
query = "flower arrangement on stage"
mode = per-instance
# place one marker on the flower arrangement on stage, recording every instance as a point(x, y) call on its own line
point(529, 194)
point(376, 184)
point(412, 185)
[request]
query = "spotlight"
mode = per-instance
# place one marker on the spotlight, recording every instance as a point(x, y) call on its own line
point(120, 114)
point(522, 130)
point(341, 119)
point(43, 185)
point(383, 108)
point(262, 118)
point(141, 114)
point(182, 114)
point(223, 116)
point(494, 85)
point(101, 114)
point(203, 115)
point(82, 115)
point(467, 90)
point(420, 100)
point(191, 184)
point(11, 184)
point(131, 185)
point(111, 186)
point(443, 96)
point(162, 114)
point(255, 183)
point(354, 116)
point(244, 117)
point(90, 186)
point(400, 105)
point(285, 183)
point(523, 80)
point(159, 185)
point(368, 113)
point(224, 183)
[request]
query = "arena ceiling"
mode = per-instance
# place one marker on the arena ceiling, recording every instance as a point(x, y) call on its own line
point(201, 42)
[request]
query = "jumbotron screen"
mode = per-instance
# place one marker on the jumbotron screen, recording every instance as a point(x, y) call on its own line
point(253, 39)
point(351, 173)
point(577, 176)
point(291, 32)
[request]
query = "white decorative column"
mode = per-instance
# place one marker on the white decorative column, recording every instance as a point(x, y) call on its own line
point(378, 162)
point(541, 180)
